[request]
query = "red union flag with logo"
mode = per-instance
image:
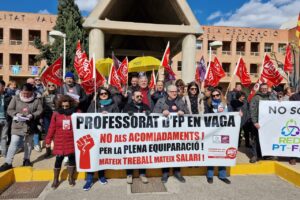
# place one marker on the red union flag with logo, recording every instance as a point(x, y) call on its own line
point(123, 71)
point(242, 73)
point(82, 64)
point(166, 61)
point(288, 64)
point(114, 80)
point(152, 83)
point(53, 73)
point(211, 79)
point(218, 69)
point(270, 73)
point(89, 85)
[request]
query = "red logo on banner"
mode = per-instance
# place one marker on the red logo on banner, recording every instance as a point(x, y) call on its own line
point(231, 153)
point(84, 145)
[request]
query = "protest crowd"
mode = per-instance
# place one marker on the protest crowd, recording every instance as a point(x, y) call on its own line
point(38, 114)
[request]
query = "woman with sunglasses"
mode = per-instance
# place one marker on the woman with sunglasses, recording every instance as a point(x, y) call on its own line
point(216, 104)
point(104, 104)
point(193, 99)
point(60, 131)
point(49, 97)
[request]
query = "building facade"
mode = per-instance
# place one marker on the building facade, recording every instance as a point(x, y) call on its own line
point(17, 52)
point(250, 43)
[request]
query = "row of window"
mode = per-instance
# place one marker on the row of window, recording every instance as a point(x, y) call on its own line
point(241, 46)
point(16, 59)
point(16, 36)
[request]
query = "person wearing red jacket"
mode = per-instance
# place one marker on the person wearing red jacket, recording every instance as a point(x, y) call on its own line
point(60, 131)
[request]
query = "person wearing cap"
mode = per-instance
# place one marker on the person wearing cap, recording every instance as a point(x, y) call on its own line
point(73, 89)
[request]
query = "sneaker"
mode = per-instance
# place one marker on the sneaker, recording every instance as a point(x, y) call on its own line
point(143, 178)
point(165, 177)
point(26, 163)
point(253, 159)
point(37, 148)
point(103, 180)
point(5, 167)
point(129, 179)
point(293, 161)
point(210, 180)
point(225, 180)
point(88, 185)
point(179, 177)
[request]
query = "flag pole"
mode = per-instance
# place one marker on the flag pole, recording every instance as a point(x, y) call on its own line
point(95, 83)
point(234, 73)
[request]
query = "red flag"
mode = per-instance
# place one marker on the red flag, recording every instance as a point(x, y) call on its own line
point(218, 69)
point(123, 71)
point(298, 30)
point(211, 79)
point(152, 83)
point(288, 64)
point(82, 64)
point(114, 80)
point(241, 72)
point(53, 73)
point(254, 89)
point(270, 73)
point(165, 62)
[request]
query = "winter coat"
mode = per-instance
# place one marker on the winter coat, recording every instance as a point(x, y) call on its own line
point(111, 108)
point(209, 108)
point(34, 108)
point(161, 105)
point(237, 106)
point(254, 104)
point(157, 95)
point(133, 108)
point(200, 101)
point(295, 97)
point(49, 104)
point(63, 137)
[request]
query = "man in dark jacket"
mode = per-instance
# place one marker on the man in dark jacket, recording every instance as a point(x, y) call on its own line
point(159, 93)
point(171, 104)
point(262, 94)
point(136, 106)
point(74, 90)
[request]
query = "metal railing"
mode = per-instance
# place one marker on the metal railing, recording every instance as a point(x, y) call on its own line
point(226, 52)
point(242, 53)
point(15, 42)
point(31, 43)
point(254, 74)
point(254, 53)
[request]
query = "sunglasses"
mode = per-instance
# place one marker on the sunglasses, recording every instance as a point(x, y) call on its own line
point(193, 88)
point(103, 93)
point(215, 95)
point(51, 85)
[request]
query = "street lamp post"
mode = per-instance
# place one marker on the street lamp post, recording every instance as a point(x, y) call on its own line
point(63, 35)
point(216, 44)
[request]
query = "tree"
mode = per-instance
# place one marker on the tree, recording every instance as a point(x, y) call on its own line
point(69, 21)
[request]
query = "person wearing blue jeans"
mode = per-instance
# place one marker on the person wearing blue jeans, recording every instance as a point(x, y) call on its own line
point(221, 174)
point(90, 179)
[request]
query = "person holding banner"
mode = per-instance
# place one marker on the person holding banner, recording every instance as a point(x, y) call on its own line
point(136, 106)
point(61, 132)
point(216, 104)
point(146, 92)
point(74, 90)
point(104, 104)
point(194, 99)
point(264, 95)
point(172, 103)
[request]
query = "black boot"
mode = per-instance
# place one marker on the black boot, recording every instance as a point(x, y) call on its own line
point(56, 178)
point(5, 167)
point(48, 153)
point(71, 171)
point(26, 163)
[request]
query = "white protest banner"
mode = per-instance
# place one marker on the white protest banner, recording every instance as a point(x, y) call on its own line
point(279, 132)
point(120, 141)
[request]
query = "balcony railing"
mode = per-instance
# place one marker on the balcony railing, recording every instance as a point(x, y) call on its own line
point(228, 74)
point(226, 52)
point(214, 52)
point(254, 75)
point(31, 43)
point(15, 42)
point(254, 54)
point(241, 53)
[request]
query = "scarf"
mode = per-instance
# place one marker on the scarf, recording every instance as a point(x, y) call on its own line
point(105, 102)
point(26, 100)
point(68, 111)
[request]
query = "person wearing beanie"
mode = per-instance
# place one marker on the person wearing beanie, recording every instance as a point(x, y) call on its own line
point(74, 90)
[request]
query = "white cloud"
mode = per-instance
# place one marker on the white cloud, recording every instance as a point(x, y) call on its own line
point(86, 5)
point(214, 15)
point(45, 11)
point(255, 13)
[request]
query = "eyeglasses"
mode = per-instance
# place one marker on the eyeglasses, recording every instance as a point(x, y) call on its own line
point(65, 106)
point(193, 88)
point(215, 95)
point(139, 96)
point(103, 93)
point(173, 91)
point(37, 79)
point(51, 85)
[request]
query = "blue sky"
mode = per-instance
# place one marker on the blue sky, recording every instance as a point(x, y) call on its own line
point(246, 13)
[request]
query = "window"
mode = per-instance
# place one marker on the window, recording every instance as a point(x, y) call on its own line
point(179, 65)
point(15, 59)
point(254, 49)
point(1, 35)
point(268, 47)
point(253, 69)
point(226, 67)
point(240, 48)
point(1, 60)
point(31, 60)
point(33, 35)
point(15, 37)
point(199, 44)
point(281, 48)
point(226, 48)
